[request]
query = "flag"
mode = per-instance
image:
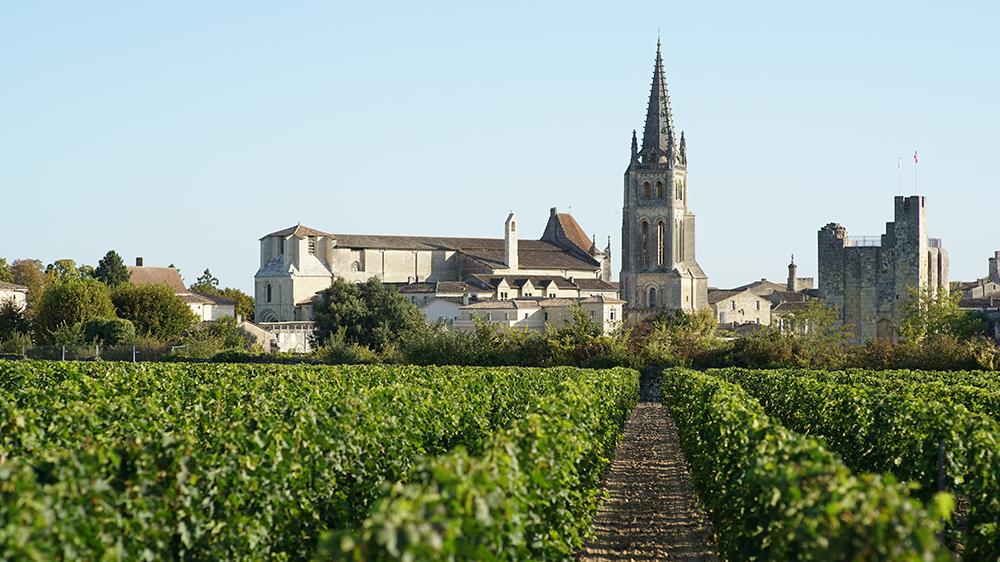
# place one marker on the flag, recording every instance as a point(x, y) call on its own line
point(899, 163)
point(915, 159)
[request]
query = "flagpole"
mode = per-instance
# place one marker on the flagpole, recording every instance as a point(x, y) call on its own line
point(916, 162)
point(899, 174)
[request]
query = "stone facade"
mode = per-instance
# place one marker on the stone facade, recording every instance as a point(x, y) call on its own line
point(659, 271)
point(298, 262)
point(16, 293)
point(737, 307)
point(869, 280)
point(535, 313)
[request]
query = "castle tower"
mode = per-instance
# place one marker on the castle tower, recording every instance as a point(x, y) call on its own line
point(995, 267)
point(792, 272)
point(659, 270)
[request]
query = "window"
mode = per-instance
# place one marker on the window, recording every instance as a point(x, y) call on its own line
point(503, 296)
point(612, 314)
point(651, 302)
point(268, 292)
point(513, 226)
point(661, 243)
point(546, 316)
point(528, 294)
point(525, 315)
point(758, 305)
point(489, 316)
point(659, 190)
point(734, 304)
point(281, 246)
point(312, 245)
point(593, 315)
point(645, 242)
point(552, 295)
point(680, 189)
point(647, 192)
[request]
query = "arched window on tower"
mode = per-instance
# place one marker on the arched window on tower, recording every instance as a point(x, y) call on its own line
point(268, 292)
point(651, 301)
point(661, 243)
point(645, 242)
point(659, 190)
point(646, 190)
point(679, 189)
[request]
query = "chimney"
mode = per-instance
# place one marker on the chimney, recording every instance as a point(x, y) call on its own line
point(138, 262)
point(510, 242)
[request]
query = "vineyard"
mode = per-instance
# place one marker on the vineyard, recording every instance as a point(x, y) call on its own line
point(891, 465)
point(118, 461)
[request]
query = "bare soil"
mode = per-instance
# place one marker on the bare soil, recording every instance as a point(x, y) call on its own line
point(652, 511)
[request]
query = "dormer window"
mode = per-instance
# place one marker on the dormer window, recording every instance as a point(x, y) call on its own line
point(312, 245)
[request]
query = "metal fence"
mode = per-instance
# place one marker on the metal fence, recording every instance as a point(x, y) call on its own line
point(130, 353)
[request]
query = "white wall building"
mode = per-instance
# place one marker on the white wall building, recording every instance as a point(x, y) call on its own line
point(16, 293)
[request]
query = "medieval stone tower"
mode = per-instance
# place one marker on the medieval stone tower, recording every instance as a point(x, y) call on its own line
point(659, 271)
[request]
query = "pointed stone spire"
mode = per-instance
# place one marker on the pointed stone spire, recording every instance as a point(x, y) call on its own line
point(658, 135)
point(635, 146)
point(683, 150)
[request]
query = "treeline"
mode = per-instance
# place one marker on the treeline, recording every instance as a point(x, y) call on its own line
point(371, 323)
point(70, 305)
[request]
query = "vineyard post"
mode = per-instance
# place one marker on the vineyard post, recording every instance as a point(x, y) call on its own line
point(97, 351)
point(64, 353)
point(133, 353)
point(940, 467)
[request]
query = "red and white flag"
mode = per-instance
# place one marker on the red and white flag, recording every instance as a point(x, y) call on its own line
point(915, 159)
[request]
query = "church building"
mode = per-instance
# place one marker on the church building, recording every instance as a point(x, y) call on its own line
point(298, 262)
point(659, 271)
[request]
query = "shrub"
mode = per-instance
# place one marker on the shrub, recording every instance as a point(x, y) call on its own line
point(108, 331)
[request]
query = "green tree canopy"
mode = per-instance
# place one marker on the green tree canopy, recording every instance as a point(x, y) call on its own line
point(68, 302)
point(30, 274)
point(370, 314)
point(154, 310)
point(109, 331)
point(111, 270)
point(207, 280)
point(13, 319)
point(208, 284)
point(62, 269)
point(6, 272)
point(937, 314)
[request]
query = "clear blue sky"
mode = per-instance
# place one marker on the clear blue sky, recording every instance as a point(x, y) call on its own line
point(184, 131)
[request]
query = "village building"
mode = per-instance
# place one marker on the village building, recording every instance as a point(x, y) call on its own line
point(206, 308)
point(869, 280)
point(535, 313)
point(17, 294)
point(737, 307)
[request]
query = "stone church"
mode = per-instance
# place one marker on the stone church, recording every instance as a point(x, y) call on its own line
point(659, 271)
point(298, 262)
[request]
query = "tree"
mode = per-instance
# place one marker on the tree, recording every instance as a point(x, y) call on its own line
point(111, 270)
point(6, 273)
point(13, 319)
point(930, 314)
point(68, 302)
point(109, 331)
point(820, 341)
point(62, 269)
point(206, 281)
point(154, 310)
point(216, 337)
point(370, 314)
point(30, 274)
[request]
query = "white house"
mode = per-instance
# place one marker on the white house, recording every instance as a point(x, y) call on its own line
point(16, 293)
point(206, 308)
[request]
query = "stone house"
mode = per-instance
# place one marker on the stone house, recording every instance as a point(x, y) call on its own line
point(16, 293)
point(740, 306)
point(206, 308)
point(534, 313)
point(869, 279)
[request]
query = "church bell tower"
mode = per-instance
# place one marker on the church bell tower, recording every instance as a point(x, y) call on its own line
point(659, 270)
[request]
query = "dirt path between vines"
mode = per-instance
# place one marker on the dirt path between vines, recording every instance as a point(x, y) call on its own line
point(652, 511)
